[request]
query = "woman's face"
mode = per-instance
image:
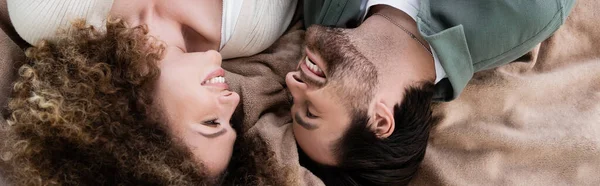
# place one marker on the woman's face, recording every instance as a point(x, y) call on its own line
point(191, 88)
point(192, 92)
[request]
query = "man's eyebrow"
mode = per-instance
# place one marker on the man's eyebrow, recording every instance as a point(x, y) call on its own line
point(304, 124)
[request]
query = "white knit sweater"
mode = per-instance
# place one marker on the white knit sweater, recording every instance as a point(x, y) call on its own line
point(248, 26)
point(41, 19)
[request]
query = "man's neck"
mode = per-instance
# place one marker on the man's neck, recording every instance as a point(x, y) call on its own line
point(400, 18)
point(408, 60)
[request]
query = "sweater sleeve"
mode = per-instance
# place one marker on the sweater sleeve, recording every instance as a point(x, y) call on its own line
point(35, 20)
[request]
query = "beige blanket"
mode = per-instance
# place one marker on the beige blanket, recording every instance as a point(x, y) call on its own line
point(10, 55)
point(535, 122)
point(265, 101)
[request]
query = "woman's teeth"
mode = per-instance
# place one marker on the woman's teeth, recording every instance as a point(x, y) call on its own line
point(215, 80)
point(312, 66)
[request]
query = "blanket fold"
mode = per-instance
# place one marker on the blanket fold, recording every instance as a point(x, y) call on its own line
point(265, 101)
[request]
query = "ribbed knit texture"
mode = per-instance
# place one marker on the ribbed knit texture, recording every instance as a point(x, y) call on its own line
point(35, 20)
point(259, 24)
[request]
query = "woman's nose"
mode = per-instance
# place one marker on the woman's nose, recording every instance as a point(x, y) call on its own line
point(229, 98)
point(214, 57)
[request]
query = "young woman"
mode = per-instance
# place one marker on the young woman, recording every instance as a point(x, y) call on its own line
point(141, 100)
point(106, 108)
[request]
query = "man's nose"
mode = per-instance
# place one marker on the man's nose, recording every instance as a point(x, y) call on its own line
point(295, 85)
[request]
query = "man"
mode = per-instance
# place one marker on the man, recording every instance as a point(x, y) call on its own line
point(362, 96)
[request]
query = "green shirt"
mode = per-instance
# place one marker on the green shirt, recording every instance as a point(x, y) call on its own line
point(469, 35)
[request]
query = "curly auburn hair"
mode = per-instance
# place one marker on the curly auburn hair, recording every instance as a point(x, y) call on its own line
point(82, 113)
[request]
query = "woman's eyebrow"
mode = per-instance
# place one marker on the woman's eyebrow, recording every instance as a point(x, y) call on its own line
point(304, 124)
point(214, 135)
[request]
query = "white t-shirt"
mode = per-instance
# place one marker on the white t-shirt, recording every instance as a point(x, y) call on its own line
point(411, 7)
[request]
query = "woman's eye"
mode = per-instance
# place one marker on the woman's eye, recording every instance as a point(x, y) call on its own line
point(212, 122)
point(310, 115)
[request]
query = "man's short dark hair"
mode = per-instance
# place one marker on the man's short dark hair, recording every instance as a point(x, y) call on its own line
point(366, 159)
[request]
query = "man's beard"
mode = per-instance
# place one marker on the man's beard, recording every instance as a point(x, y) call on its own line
point(349, 74)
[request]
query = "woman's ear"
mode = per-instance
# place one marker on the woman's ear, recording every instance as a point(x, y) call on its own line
point(384, 124)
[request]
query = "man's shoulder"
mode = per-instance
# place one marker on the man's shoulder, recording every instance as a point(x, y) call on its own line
point(471, 36)
point(491, 29)
point(337, 13)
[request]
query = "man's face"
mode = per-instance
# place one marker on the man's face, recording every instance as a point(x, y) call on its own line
point(333, 81)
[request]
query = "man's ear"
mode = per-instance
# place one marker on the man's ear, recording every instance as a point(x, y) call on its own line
point(384, 124)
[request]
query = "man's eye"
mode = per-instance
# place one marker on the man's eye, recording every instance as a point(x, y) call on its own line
point(212, 122)
point(310, 115)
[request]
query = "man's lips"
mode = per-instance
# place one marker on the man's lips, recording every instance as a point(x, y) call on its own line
point(304, 69)
point(314, 63)
point(309, 74)
point(313, 67)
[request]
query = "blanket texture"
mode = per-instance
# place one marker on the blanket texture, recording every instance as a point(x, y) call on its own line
point(531, 122)
point(265, 102)
point(11, 55)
